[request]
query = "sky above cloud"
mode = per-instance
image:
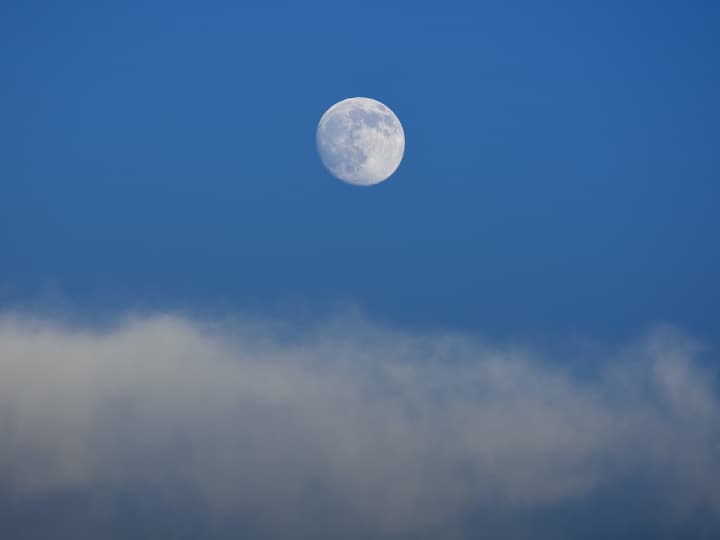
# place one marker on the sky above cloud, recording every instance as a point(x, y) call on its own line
point(560, 172)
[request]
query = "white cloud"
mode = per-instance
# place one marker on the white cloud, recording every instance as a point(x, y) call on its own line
point(377, 430)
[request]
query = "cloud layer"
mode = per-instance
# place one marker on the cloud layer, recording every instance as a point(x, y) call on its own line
point(166, 426)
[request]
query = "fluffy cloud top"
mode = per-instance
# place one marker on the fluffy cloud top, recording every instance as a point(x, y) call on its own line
point(166, 426)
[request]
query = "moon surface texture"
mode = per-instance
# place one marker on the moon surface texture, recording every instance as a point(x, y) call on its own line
point(360, 141)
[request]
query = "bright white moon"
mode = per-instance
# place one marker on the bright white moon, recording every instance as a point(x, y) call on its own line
point(360, 141)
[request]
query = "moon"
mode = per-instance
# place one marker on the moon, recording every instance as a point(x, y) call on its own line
point(360, 141)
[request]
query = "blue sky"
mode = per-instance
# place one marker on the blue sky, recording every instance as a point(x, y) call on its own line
point(560, 172)
point(560, 182)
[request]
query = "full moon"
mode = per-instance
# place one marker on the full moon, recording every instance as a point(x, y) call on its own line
point(360, 141)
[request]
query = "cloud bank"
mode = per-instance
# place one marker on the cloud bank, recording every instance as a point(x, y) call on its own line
point(164, 426)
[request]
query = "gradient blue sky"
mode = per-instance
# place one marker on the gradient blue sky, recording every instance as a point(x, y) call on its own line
point(481, 347)
point(561, 170)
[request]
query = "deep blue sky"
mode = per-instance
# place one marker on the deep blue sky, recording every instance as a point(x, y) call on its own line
point(561, 171)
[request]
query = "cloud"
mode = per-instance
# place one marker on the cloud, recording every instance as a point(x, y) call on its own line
point(263, 430)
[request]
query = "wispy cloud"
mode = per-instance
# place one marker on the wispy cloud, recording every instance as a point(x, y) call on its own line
point(349, 428)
